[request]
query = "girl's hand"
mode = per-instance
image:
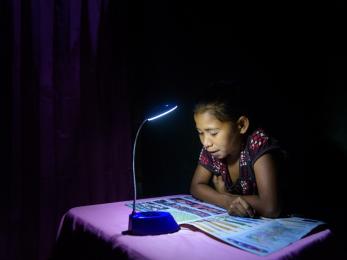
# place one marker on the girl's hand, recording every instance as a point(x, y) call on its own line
point(219, 184)
point(239, 207)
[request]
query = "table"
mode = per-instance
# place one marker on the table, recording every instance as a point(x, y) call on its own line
point(95, 232)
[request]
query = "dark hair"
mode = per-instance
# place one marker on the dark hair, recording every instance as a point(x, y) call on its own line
point(224, 99)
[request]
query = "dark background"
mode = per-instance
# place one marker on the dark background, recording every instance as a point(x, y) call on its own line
point(291, 57)
point(292, 60)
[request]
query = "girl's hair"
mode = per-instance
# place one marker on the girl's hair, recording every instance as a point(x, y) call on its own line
point(224, 99)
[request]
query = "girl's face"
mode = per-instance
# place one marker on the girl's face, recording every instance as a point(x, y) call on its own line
point(221, 139)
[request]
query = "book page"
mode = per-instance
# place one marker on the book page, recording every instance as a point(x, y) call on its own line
point(184, 208)
point(261, 236)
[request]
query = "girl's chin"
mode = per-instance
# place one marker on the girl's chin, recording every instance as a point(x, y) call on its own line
point(218, 155)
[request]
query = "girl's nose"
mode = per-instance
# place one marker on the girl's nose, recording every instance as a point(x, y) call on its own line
point(206, 143)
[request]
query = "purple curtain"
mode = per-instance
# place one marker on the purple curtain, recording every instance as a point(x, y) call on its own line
point(70, 126)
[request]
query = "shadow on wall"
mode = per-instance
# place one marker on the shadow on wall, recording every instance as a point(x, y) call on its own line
point(317, 190)
point(317, 152)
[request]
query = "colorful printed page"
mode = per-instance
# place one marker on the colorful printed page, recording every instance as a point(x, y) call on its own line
point(184, 209)
point(261, 236)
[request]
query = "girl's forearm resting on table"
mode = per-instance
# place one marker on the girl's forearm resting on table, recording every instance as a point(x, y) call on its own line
point(265, 207)
point(210, 195)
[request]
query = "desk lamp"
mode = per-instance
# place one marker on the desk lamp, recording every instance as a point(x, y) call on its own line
point(150, 222)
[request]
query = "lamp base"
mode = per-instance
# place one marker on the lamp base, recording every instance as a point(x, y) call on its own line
point(152, 223)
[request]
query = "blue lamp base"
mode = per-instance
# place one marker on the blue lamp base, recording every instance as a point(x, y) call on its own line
point(152, 223)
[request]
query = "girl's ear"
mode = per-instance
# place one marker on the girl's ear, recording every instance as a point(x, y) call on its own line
point(243, 124)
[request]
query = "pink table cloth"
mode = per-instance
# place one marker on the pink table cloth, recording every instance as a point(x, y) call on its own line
point(106, 222)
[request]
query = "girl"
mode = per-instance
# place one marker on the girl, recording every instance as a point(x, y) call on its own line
point(240, 162)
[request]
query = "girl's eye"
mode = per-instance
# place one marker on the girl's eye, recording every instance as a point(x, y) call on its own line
point(213, 133)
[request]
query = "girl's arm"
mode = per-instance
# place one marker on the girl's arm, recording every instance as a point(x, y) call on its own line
point(267, 202)
point(201, 189)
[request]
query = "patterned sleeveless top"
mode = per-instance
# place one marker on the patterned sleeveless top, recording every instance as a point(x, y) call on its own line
point(258, 143)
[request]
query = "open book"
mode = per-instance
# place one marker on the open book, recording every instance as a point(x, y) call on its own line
point(261, 236)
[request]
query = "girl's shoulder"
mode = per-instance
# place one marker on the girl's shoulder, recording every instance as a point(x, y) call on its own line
point(260, 142)
point(257, 139)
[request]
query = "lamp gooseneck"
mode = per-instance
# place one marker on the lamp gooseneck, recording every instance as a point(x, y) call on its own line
point(149, 222)
point(134, 154)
